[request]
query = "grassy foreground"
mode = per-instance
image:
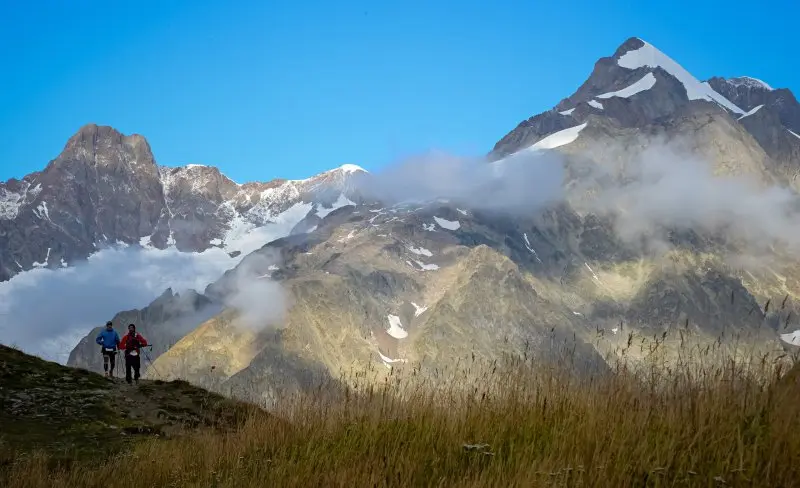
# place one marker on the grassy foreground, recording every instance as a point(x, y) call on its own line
point(736, 424)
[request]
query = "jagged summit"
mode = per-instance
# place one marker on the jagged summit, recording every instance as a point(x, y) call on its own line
point(648, 56)
point(106, 187)
point(640, 87)
point(92, 136)
point(351, 168)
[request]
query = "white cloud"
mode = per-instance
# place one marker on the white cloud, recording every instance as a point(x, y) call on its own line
point(46, 312)
point(670, 188)
point(522, 182)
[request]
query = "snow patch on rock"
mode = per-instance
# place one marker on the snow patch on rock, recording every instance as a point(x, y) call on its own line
point(447, 224)
point(647, 82)
point(558, 139)
point(792, 338)
point(396, 328)
point(530, 248)
point(11, 202)
point(340, 202)
point(596, 104)
point(426, 267)
point(388, 361)
point(751, 112)
point(421, 251)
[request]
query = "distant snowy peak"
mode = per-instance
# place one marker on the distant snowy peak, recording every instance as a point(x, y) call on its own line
point(638, 86)
point(196, 178)
point(648, 56)
point(105, 188)
point(748, 93)
point(749, 82)
point(351, 168)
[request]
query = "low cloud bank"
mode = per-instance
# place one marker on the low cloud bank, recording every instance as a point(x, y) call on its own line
point(46, 312)
point(670, 188)
point(521, 183)
point(261, 302)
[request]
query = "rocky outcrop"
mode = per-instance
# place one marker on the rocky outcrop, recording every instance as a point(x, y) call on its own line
point(749, 93)
point(103, 188)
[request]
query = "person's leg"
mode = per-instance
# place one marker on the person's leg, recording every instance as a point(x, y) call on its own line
point(112, 360)
point(136, 364)
point(128, 366)
point(105, 363)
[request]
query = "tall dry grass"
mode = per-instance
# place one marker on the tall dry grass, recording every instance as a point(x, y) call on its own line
point(726, 422)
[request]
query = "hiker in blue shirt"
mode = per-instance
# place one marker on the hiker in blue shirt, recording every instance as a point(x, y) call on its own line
point(108, 340)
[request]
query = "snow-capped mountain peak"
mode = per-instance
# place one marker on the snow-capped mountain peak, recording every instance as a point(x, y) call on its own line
point(351, 168)
point(647, 55)
point(640, 86)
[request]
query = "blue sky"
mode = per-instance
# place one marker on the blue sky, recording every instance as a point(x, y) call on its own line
point(267, 89)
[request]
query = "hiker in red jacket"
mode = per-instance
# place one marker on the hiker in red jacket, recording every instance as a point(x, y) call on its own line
point(131, 343)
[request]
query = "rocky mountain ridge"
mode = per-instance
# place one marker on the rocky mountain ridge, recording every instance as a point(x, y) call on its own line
point(106, 188)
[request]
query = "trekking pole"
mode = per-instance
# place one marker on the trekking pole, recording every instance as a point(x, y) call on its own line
point(150, 360)
point(116, 360)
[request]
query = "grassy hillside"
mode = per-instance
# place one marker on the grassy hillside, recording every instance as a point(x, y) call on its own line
point(521, 424)
point(70, 413)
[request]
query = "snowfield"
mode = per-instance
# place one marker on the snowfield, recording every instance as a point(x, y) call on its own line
point(421, 251)
point(751, 112)
point(396, 328)
point(558, 139)
point(447, 224)
point(647, 82)
point(340, 202)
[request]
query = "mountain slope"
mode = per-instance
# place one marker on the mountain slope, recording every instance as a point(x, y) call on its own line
point(67, 411)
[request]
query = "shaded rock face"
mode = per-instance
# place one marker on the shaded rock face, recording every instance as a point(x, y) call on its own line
point(104, 187)
point(749, 93)
point(693, 298)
